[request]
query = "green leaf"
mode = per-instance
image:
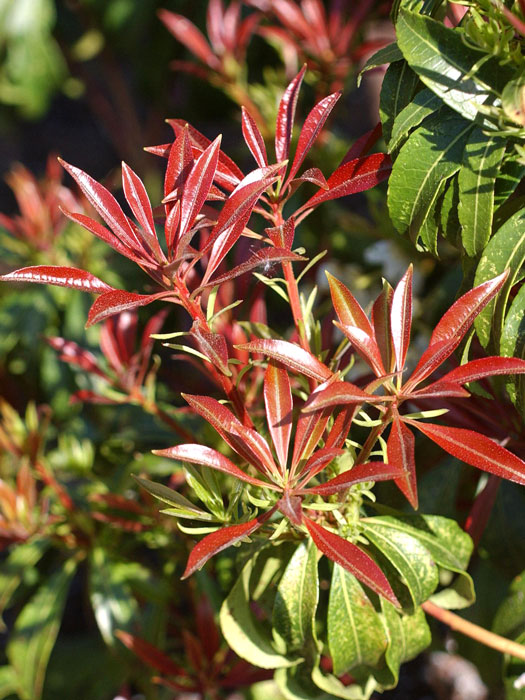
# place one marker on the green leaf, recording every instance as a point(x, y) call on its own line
point(443, 61)
point(427, 238)
point(506, 249)
point(509, 177)
point(477, 179)
point(512, 344)
point(460, 594)
point(411, 559)
point(249, 638)
point(356, 636)
point(207, 488)
point(8, 682)
point(297, 684)
point(173, 499)
point(22, 558)
point(450, 226)
point(113, 603)
point(333, 686)
point(510, 622)
point(422, 106)
point(35, 632)
point(296, 600)
point(431, 154)
point(388, 54)
point(399, 85)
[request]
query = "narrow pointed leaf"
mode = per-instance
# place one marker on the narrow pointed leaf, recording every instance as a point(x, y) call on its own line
point(214, 346)
point(366, 346)
point(440, 389)
point(339, 394)
point(397, 91)
point(282, 236)
point(372, 471)
point(199, 454)
point(286, 116)
point(423, 105)
point(363, 144)
point(188, 34)
point(59, 277)
point(253, 138)
point(279, 406)
point(318, 461)
point(351, 558)
point(118, 300)
point(347, 307)
point(180, 163)
point(291, 355)
point(215, 542)
point(70, 352)
point(173, 498)
point(138, 200)
point(485, 367)
point(401, 317)
point(381, 318)
point(310, 428)
point(475, 449)
point(312, 127)
point(400, 450)
point(341, 427)
point(151, 656)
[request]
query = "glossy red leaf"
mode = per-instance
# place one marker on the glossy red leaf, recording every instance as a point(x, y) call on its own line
point(254, 139)
point(196, 189)
point(60, 277)
point(430, 360)
point(341, 426)
point(372, 471)
point(188, 34)
point(484, 367)
point(213, 345)
point(458, 319)
point(264, 257)
point(180, 163)
point(441, 389)
point(363, 144)
point(400, 450)
point(215, 542)
point(312, 127)
point(313, 175)
point(107, 206)
point(366, 346)
point(279, 406)
point(347, 307)
point(151, 656)
point(317, 462)
point(206, 456)
point(338, 394)
point(309, 430)
point(355, 176)
point(475, 449)
point(139, 203)
point(171, 228)
point(118, 300)
point(291, 507)
point(351, 558)
point(401, 318)
point(245, 441)
point(381, 313)
point(291, 355)
point(282, 236)
point(286, 116)
point(73, 354)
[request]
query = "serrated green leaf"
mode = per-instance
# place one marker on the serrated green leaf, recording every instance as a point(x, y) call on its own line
point(509, 177)
point(477, 178)
point(35, 631)
point(388, 54)
point(423, 105)
point(398, 89)
point(23, 557)
point(427, 237)
point(431, 154)
point(411, 559)
point(114, 605)
point(450, 226)
point(444, 62)
point(356, 636)
point(244, 633)
point(506, 249)
point(296, 600)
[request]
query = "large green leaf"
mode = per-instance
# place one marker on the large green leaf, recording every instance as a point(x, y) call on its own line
point(450, 226)
point(399, 85)
point(113, 603)
point(422, 106)
point(388, 54)
point(356, 636)
point(443, 61)
point(509, 177)
point(427, 238)
point(35, 632)
point(23, 557)
point(477, 180)
point(431, 154)
point(506, 249)
point(248, 637)
point(296, 684)
point(296, 600)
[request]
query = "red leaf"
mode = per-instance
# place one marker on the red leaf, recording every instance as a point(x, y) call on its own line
point(310, 428)
point(180, 163)
point(430, 360)
point(245, 441)
point(286, 115)
point(458, 319)
point(138, 200)
point(355, 176)
point(400, 450)
point(215, 542)
point(171, 228)
point(150, 655)
point(313, 175)
point(282, 236)
point(475, 449)
point(363, 144)
point(254, 139)
point(279, 406)
point(313, 124)
point(73, 354)
point(213, 345)
point(366, 346)
point(188, 34)
point(317, 462)
point(341, 426)
point(485, 367)
point(118, 300)
point(198, 454)
point(291, 356)
point(372, 471)
point(381, 313)
point(441, 389)
point(338, 394)
point(401, 318)
point(60, 277)
point(347, 307)
point(351, 558)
